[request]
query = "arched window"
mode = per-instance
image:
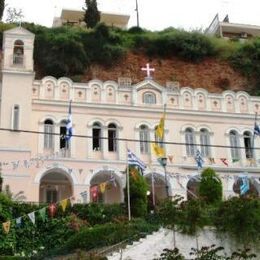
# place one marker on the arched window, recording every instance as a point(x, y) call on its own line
point(18, 52)
point(48, 134)
point(190, 142)
point(149, 98)
point(204, 143)
point(144, 138)
point(63, 131)
point(16, 115)
point(96, 137)
point(112, 135)
point(248, 145)
point(234, 143)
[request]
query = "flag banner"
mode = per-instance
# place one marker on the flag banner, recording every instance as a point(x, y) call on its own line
point(157, 150)
point(134, 173)
point(32, 217)
point(52, 209)
point(18, 222)
point(244, 187)
point(69, 128)
point(6, 226)
point(199, 159)
point(113, 180)
point(170, 157)
point(64, 204)
point(211, 160)
point(256, 129)
point(224, 160)
point(159, 131)
point(134, 160)
point(42, 213)
point(102, 187)
point(94, 192)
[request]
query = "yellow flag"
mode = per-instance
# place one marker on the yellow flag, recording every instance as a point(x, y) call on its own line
point(102, 187)
point(6, 226)
point(159, 131)
point(64, 204)
point(158, 151)
point(134, 174)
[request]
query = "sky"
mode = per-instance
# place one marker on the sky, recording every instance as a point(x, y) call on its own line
point(153, 15)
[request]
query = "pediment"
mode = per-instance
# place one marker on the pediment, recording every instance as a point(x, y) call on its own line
point(149, 85)
point(19, 31)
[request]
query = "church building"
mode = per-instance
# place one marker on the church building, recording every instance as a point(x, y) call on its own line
point(108, 118)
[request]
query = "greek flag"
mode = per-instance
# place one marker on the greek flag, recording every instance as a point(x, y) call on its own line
point(244, 187)
point(199, 159)
point(134, 160)
point(256, 129)
point(69, 128)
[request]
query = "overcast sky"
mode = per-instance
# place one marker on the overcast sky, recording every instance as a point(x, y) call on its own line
point(153, 15)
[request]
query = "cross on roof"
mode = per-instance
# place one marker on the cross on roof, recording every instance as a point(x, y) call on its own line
point(148, 70)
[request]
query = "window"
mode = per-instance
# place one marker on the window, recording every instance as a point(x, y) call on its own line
point(51, 196)
point(18, 52)
point(16, 113)
point(144, 138)
point(204, 143)
point(149, 98)
point(63, 132)
point(48, 134)
point(112, 135)
point(190, 142)
point(234, 143)
point(248, 145)
point(96, 137)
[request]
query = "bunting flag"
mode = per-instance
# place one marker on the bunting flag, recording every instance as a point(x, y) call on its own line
point(134, 174)
point(32, 217)
point(69, 124)
point(72, 201)
point(6, 226)
point(199, 159)
point(102, 187)
point(18, 222)
point(52, 209)
point(159, 131)
point(42, 213)
point(170, 157)
point(113, 180)
point(157, 150)
point(134, 160)
point(224, 160)
point(64, 204)
point(244, 187)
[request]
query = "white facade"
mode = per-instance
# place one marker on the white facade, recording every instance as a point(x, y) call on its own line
point(36, 159)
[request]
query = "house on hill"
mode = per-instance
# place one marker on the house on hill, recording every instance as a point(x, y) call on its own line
point(228, 30)
point(39, 158)
point(76, 17)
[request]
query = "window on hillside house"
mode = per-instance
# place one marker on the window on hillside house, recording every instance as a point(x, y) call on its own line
point(96, 137)
point(149, 98)
point(248, 144)
point(190, 142)
point(112, 135)
point(16, 115)
point(204, 143)
point(48, 134)
point(18, 52)
point(144, 139)
point(234, 143)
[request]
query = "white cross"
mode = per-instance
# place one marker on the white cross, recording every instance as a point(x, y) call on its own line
point(148, 70)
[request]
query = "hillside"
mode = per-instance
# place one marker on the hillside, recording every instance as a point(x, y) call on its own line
point(212, 74)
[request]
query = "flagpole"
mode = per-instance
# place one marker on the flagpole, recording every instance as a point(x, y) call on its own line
point(128, 188)
point(153, 189)
point(253, 142)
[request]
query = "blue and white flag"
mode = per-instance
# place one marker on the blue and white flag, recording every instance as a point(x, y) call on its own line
point(69, 128)
point(199, 159)
point(134, 160)
point(244, 187)
point(256, 129)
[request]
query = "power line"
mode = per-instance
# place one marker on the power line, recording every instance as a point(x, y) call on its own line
point(127, 139)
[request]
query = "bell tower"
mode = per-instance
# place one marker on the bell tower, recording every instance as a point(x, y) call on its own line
point(16, 86)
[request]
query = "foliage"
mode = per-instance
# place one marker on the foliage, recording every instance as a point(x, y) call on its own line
point(14, 15)
point(242, 254)
point(207, 253)
point(171, 254)
point(210, 187)
point(138, 193)
point(2, 8)
point(92, 15)
point(240, 217)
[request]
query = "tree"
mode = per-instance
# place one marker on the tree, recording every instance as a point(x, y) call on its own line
point(2, 8)
point(138, 193)
point(14, 15)
point(92, 15)
point(210, 187)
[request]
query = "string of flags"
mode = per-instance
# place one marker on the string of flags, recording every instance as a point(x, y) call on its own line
point(52, 209)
